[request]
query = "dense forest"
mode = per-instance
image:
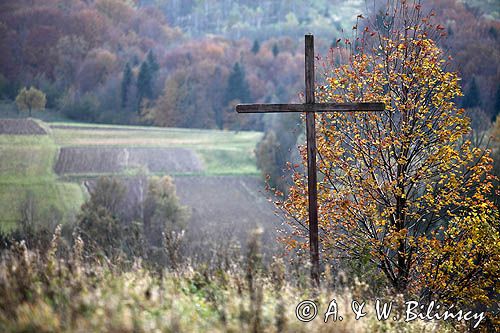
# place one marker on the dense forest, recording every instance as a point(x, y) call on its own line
point(185, 64)
point(122, 62)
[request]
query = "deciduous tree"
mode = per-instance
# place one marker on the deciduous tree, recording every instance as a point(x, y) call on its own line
point(404, 184)
point(99, 218)
point(164, 216)
point(30, 99)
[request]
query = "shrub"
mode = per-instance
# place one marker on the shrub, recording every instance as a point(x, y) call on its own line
point(84, 108)
point(164, 218)
point(99, 219)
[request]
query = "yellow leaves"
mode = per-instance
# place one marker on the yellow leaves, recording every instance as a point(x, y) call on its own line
point(415, 152)
point(475, 235)
point(402, 160)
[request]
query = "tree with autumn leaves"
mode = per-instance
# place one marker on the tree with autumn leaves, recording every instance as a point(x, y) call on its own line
point(30, 99)
point(404, 187)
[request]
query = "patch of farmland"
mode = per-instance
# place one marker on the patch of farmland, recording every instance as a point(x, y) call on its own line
point(165, 159)
point(88, 160)
point(26, 156)
point(225, 208)
point(21, 127)
point(27, 172)
point(221, 152)
point(66, 135)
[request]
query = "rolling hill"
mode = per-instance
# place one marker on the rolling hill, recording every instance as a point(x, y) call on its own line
point(46, 168)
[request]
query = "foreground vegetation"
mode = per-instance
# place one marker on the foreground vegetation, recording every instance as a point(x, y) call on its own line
point(61, 288)
point(107, 274)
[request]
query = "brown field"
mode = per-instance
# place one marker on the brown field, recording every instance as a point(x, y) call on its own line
point(223, 210)
point(21, 127)
point(87, 160)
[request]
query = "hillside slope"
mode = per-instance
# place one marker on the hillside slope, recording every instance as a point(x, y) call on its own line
point(214, 172)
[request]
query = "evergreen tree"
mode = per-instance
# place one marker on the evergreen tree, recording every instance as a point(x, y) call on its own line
point(276, 50)
point(135, 60)
point(497, 104)
point(152, 62)
point(237, 86)
point(144, 84)
point(126, 81)
point(145, 79)
point(255, 47)
point(471, 97)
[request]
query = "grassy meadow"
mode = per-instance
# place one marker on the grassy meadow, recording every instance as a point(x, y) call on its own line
point(26, 175)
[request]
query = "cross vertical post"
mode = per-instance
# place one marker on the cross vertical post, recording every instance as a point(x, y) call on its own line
point(311, 160)
point(310, 107)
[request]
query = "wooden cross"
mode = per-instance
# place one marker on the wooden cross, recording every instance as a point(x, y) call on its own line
point(310, 107)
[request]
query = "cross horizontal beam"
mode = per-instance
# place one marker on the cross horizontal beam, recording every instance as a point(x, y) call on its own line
point(316, 107)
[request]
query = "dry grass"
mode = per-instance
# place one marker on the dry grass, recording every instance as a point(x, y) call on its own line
point(48, 293)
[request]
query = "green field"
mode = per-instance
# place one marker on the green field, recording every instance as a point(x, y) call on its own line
point(223, 152)
point(27, 162)
point(26, 171)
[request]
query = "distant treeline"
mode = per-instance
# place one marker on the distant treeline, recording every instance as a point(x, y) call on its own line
point(258, 19)
point(161, 62)
point(117, 61)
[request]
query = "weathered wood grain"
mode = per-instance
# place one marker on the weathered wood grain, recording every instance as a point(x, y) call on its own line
point(306, 107)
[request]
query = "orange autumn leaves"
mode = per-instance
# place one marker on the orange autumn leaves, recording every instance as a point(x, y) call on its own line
point(405, 184)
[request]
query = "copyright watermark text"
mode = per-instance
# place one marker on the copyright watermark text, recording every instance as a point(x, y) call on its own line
point(307, 311)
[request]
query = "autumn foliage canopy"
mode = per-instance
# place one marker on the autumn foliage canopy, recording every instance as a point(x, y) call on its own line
point(404, 186)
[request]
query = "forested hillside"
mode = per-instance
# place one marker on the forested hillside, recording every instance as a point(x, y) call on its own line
point(117, 61)
point(76, 52)
point(185, 63)
point(260, 19)
point(133, 198)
